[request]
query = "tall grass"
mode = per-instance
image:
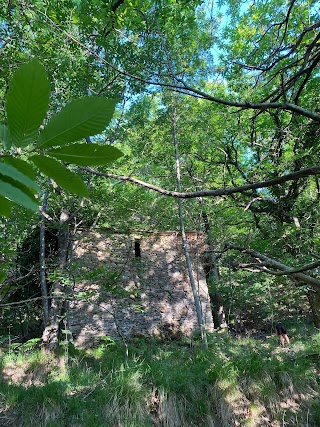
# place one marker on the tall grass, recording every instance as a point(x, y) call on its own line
point(242, 382)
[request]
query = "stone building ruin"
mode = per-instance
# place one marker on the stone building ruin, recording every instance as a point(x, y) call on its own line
point(135, 285)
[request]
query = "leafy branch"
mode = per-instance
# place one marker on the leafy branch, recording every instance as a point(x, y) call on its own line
point(180, 86)
point(23, 147)
point(303, 173)
point(271, 266)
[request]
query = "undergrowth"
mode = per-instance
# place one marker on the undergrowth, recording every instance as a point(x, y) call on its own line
point(244, 382)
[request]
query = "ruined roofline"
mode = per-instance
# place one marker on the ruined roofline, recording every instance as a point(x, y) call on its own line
point(133, 232)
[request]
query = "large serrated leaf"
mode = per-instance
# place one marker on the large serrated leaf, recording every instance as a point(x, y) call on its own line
point(13, 173)
point(80, 118)
point(86, 154)
point(5, 137)
point(22, 166)
point(26, 190)
point(27, 102)
point(16, 195)
point(66, 179)
point(5, 207)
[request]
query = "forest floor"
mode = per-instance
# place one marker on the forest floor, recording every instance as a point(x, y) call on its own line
point(235, 382)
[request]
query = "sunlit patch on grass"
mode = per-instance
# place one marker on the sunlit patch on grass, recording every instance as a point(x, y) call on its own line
point(234, 383)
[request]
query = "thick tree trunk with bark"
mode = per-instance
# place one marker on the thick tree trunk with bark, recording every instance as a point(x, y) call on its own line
point(218, 312)
point(314, 301)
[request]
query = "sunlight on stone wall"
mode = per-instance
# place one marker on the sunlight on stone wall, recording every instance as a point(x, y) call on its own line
point(120, 294)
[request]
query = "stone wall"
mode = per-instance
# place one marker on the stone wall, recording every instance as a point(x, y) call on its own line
point(135, 285)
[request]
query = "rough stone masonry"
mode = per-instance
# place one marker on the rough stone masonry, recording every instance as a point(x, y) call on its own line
point(135, 285)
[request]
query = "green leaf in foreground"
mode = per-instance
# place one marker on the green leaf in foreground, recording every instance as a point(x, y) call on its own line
point(27, 102)
point(80, 118)
point(66, 179)
point(5, 207)
point(3, 275)
point(5, 137)
point(21, 165)
point(17, 195)
point(15, 174)
point(86, 154)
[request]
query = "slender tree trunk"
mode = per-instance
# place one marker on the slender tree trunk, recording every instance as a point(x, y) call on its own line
point(50, 337)
point(184, 238)
point(42, 261)
point(217, 306)
point(213, 269)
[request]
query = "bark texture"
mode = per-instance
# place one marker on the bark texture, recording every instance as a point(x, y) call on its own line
point(184, 238)
point(314, 301)
point(217, 306)
point(58, 309)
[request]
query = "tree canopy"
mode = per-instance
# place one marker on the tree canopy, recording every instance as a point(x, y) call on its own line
point(242, 80)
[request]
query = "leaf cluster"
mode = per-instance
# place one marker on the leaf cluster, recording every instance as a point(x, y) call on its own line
point(28, 145)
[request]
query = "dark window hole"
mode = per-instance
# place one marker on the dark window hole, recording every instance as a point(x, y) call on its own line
point(137, 249)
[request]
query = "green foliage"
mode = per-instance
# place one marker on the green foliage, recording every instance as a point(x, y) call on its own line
point(16, 175)
point(60, 174)
point(168, 384)
point(86, 155)
point(5, 136)
point(268, 52)
point(31, 345)
point(106, 342)
point(17, 194)
point(27, 103)
point(26, 106)
point(78, 119)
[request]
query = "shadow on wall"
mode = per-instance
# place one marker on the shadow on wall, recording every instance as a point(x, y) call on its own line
point(129, 285)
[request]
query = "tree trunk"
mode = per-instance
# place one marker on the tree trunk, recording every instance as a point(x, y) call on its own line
point(42, 262)
point(51, 334)
point(212, 273)
point(184, 239)
point(314, 301)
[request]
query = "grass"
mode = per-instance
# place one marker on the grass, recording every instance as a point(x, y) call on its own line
point(243, 382)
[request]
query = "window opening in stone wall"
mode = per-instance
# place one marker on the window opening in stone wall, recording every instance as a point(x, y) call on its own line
point(137, 249)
